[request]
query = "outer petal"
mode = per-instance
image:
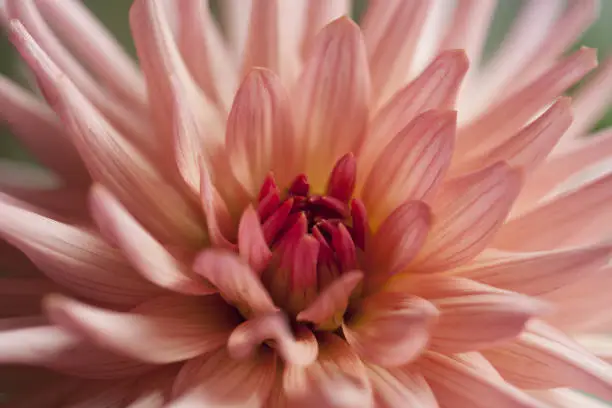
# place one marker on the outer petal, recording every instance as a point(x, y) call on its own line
point(466, 215)
point(545, 358)
point(152, 260)
point(566, 398)
point(537, 273)
point(262, 46)
point(373, 331)
point(173, 328)
point(217, 380)
point(236, 282)
point(467, 380)
point(412, 165)
point(338, 379)
point(332, 98)
point(400, 387)
point(260, 136)
point(73, 257)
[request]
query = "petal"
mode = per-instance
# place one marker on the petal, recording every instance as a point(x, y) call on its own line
point(597, 344)
point(110, 158)
point(573, 217)
point(467, 380)
point(528, 147)
point(218, 219)
point(435, 88)
point(331, 303)
point(508, 115)
point(397, 241)
point(217, 380)
point(543, 357)
point(34, 345)
point(373, 333)
point(73, 257)
point(566, 398)
point(39, 130)
point(173, 328)
point(236, 282)
point(262, 46)
point(391, 45)
point(338, 379)
point(341, 182)
point(537, 273)
point(273, 328)
point(412, 165)
point(466, 215)
point(150, 258)
point(260, 135)
point(332, 97)
point(251, 242)
point(400, 387)
point(318, 14)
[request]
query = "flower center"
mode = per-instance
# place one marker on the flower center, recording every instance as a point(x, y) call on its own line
point(314, 237)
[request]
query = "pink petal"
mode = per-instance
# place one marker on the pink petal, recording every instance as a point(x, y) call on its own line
point(34, 345)
point(397, 241)
point(338, 379)
point(571, 218)
point(236, 282)
point(391, 45)
point(596, 344)
point(509, 114)
point(235, 17)
point(73, 257)
point(251, 242)
point(205, 52)
point(332, 97)
point(537, 273)
point(260, 135)
point(150, 258)
point(329, 306)
point(400, 387)
point(110, 158)
point(566, 398)
point(318, 14)
point(218, 220)
point(467, 380)
point(217, 380)
point(466, 215)
point(247, 337)
point(412, 165)
point(373, 333)
point(528, 147)
point(40, 132)
point(341, 182)
point(435, 88)
point(173, 328)
point(545, 358)
point(262, 46)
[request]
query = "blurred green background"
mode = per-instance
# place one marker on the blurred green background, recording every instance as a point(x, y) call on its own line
point(114, 13)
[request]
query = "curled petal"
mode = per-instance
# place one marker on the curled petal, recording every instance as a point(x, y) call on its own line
point(338, 378)
point(217, 380)
point(251, 241)
point(342, 179)
point(215, 210)
point(236, 282)
point(173, 328)
point(274, 327)
point(373, 330)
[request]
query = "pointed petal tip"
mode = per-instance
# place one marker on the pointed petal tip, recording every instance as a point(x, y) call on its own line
point(589, 55)
point(457, 57)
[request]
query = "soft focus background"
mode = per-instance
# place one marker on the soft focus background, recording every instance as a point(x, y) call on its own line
point(114, 13)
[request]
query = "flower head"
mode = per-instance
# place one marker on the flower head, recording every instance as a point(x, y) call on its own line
point(305, 212)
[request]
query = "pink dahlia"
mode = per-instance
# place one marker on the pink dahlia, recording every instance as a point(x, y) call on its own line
point(305, 212)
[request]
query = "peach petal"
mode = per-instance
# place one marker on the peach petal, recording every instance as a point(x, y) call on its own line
point(150, 258)
point(331, 120)
point(435, 88)
point(34, 345)
point(173, 328)
point(220, 381)
point(299, 350)
point(218, 221)
point(566, 398)
point(466, 216)
point(235, 280)
point(412, 165)
point(262, 46)
point(319, 13)
point(573, 217)
point(251, 242)
point(73, 257)
point(400, 387)
point(373, 333)
point(596, 344)
point(391, 45)
point(329, 306)
point(260, 136)
point(537, 273)
point(467, 380)
point(543, 357)
point(337, 379)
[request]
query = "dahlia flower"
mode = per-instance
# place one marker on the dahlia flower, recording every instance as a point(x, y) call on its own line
point(299, 211)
